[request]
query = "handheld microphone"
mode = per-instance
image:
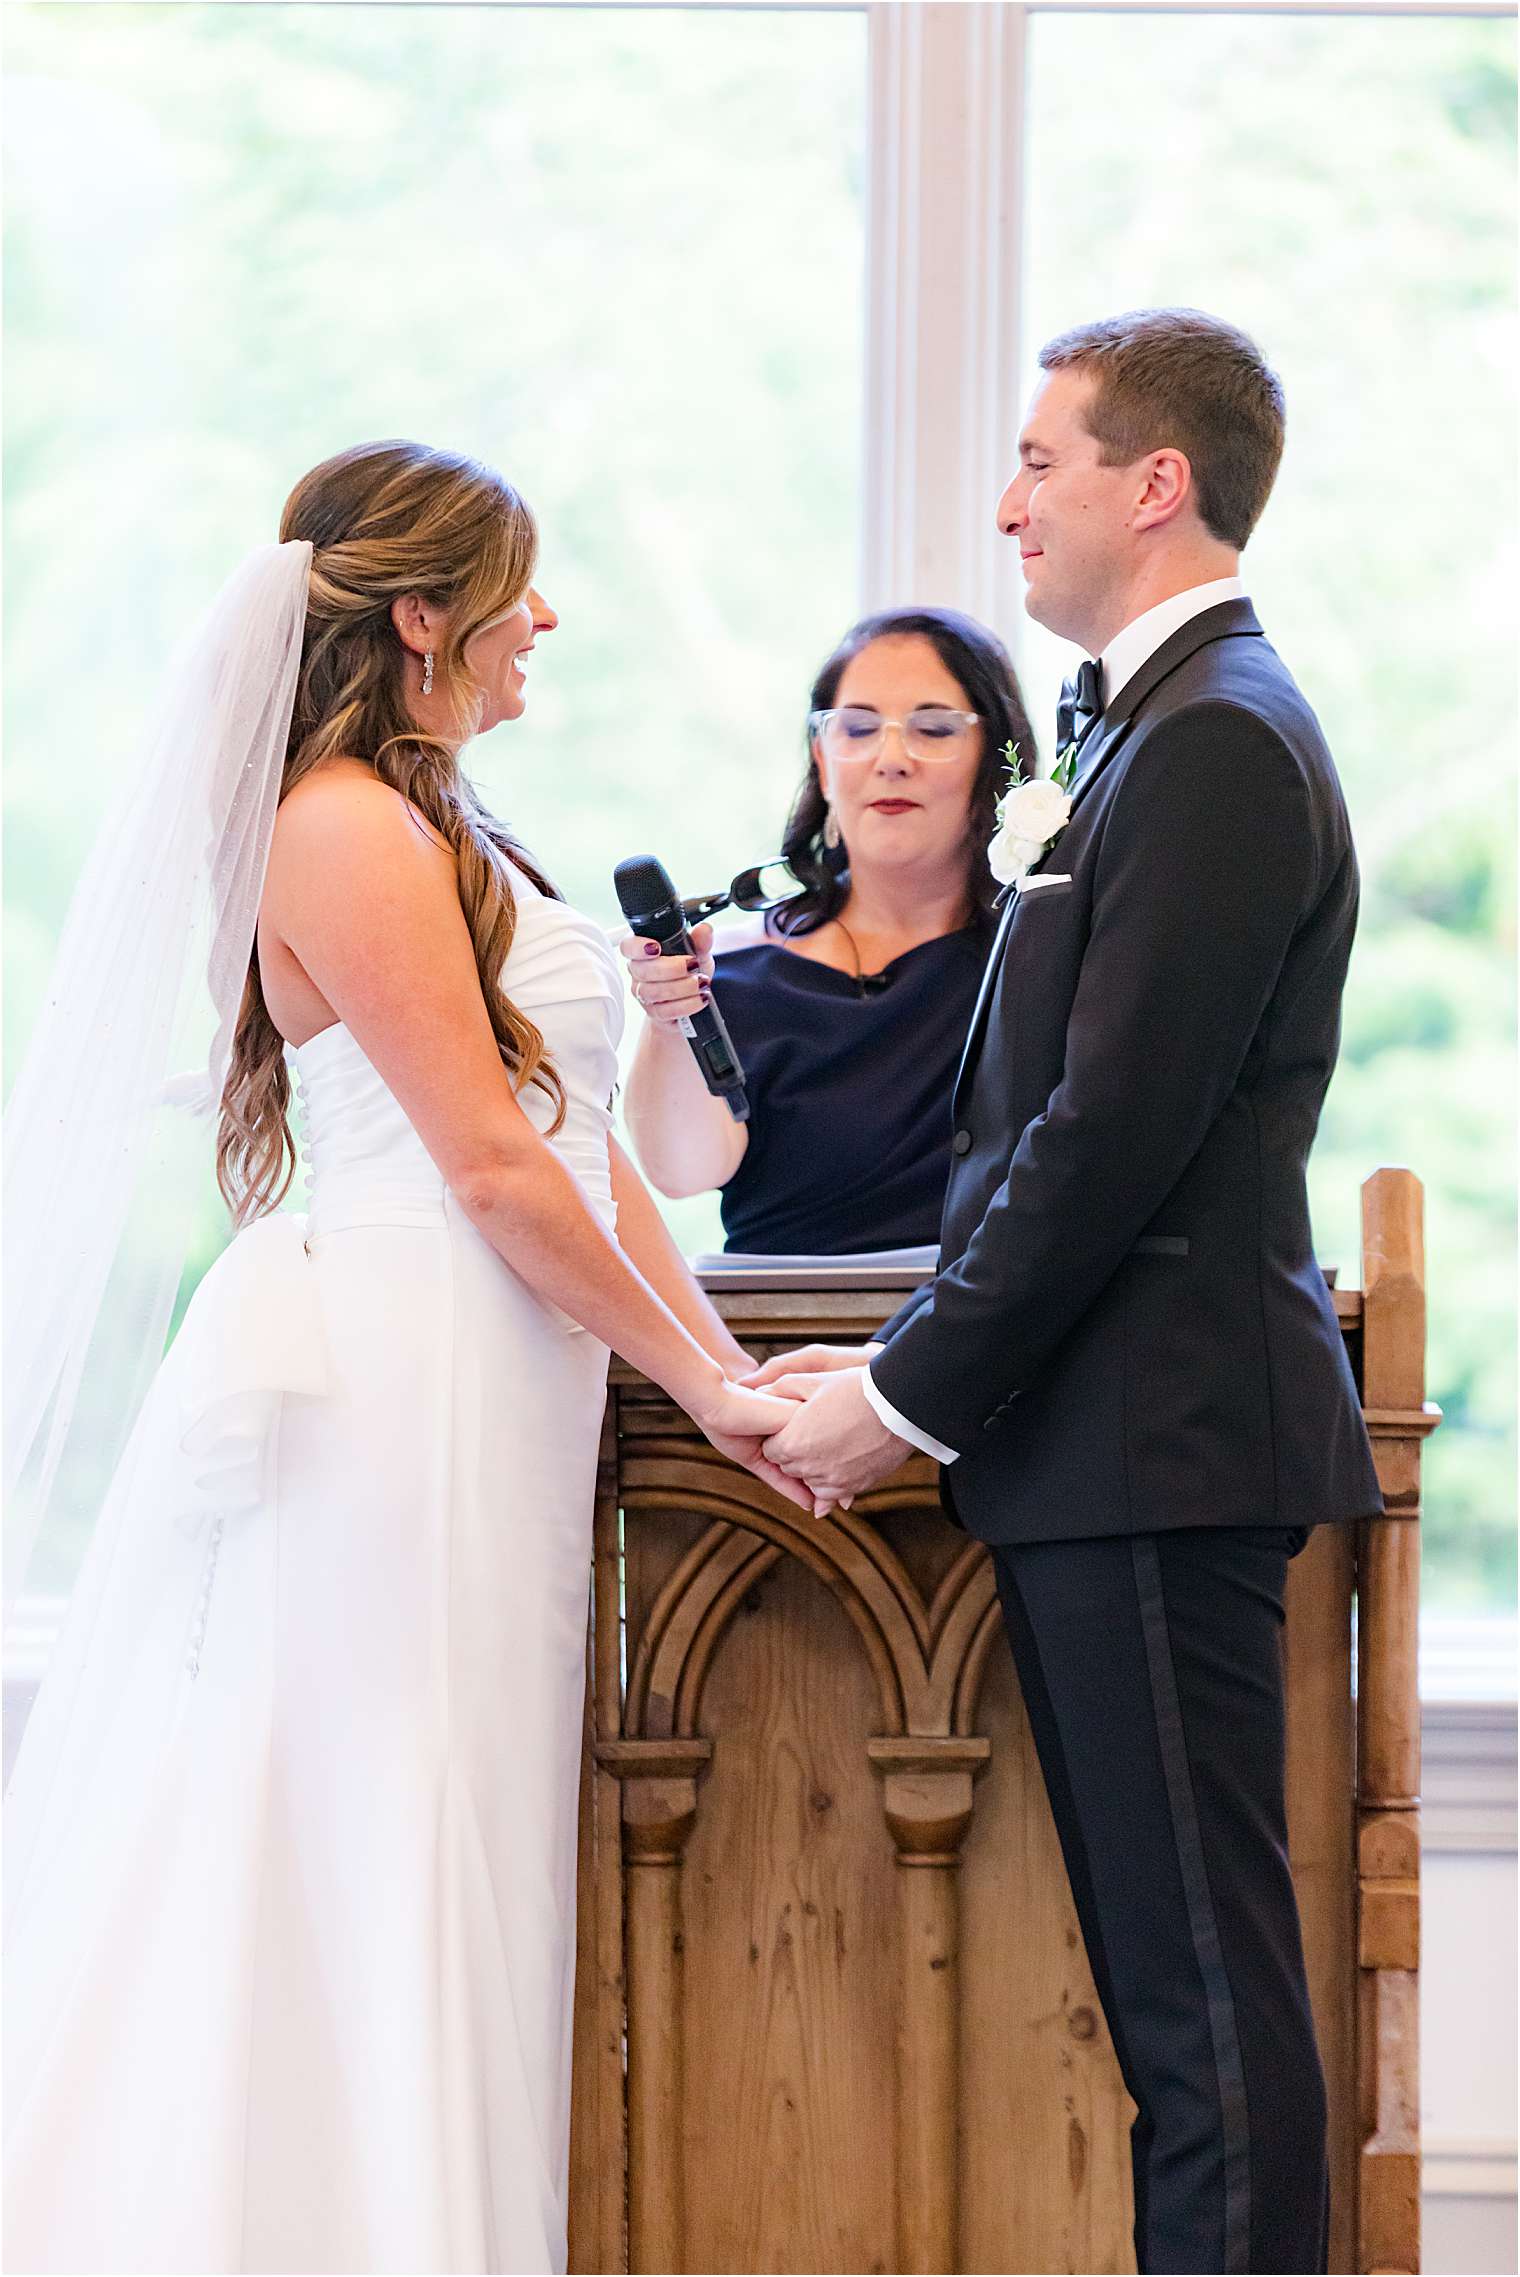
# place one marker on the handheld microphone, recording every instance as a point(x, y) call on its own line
point(655, 912)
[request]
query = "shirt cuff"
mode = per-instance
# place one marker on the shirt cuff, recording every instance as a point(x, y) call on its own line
point(904, 1429)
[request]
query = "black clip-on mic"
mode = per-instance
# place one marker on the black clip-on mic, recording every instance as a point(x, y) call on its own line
point(655, 912)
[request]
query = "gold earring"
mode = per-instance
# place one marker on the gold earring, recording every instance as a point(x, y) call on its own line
point(427, 673)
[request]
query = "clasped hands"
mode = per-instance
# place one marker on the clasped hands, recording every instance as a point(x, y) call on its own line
point(835, 1445)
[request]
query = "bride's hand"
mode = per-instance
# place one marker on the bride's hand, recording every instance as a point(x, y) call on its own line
point(738, 1422)
point(811, 1360)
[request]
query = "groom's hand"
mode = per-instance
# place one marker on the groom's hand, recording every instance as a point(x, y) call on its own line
point(836, 1441)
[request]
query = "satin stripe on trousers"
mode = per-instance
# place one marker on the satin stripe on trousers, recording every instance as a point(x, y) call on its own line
point(1151, 1668)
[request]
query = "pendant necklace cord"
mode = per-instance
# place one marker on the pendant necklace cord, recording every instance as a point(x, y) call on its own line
point(860, 986)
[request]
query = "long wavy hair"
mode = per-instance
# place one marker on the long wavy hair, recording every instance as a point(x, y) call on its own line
point(977, 659)
point(384, 520)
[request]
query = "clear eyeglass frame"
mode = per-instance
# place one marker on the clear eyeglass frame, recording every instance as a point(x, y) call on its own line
point(854, 734)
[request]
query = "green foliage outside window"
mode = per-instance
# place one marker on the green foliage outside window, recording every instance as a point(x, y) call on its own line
point(620, 253)
point(1345, 189)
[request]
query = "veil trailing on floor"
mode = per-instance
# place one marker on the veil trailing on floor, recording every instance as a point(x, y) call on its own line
point(108, 1146)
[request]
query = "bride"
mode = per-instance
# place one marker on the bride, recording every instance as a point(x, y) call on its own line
point(292, 1835)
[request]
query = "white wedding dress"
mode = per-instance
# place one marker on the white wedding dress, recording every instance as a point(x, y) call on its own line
point(291, 1944)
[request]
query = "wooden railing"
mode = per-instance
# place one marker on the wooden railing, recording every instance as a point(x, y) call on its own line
point(832, 2008)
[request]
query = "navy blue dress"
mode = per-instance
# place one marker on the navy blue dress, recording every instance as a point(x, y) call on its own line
point(849, 1131)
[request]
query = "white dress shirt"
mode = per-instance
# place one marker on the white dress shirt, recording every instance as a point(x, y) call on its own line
point(1119, 663)
point(1143, 635)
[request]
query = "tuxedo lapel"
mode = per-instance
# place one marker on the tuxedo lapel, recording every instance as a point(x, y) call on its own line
point(983, 999)
point(1094, 751)
point(1230, 620)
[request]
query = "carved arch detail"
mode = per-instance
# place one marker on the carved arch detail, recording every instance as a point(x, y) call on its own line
point(927, 1660)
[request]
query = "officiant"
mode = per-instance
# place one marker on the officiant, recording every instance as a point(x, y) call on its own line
point(848, 1004)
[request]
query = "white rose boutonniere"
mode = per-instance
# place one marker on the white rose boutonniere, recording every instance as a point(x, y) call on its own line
point(1031, 816)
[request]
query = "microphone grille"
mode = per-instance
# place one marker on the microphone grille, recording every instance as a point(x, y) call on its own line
point(643, 886)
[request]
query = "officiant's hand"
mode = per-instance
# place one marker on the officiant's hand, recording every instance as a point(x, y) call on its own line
point(835, 1440)
point(736, 1421)
point(670, 989)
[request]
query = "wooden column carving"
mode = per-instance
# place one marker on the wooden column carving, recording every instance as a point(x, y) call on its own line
point(927, 1796)
point(659, 1808)
point(1388, 1727)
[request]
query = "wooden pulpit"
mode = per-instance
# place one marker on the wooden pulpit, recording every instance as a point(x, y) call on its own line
point(832, 2008)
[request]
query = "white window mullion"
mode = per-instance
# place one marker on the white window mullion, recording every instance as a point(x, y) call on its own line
point(993, 192)
point(889, 501)
point(943, 354)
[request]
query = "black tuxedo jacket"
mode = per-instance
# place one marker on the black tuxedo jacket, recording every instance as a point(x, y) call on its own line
point(1129, 1331)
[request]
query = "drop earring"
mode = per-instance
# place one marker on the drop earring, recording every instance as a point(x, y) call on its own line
point(427, 673)
point(831, 834)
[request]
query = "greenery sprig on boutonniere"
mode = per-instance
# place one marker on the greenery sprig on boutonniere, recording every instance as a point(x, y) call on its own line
point(1063, 774)
point(1031, 814)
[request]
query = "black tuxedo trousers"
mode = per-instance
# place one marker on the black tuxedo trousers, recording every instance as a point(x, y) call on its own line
point(1151, 1668)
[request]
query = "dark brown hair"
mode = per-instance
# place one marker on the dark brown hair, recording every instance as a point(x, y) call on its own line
point(1173, 377)
point(977, 659)
point(384, 520)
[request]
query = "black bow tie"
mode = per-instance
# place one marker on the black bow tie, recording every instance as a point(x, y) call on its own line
point(1081, 703)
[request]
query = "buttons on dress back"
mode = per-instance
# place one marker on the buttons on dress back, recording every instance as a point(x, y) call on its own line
point(203, 1602)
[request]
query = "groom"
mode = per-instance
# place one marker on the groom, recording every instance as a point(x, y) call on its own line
point(1128, 1362)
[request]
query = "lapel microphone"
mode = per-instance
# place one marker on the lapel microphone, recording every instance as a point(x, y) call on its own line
point(656, 912)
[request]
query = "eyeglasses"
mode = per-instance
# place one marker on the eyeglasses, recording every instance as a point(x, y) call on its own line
point(851, 732)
